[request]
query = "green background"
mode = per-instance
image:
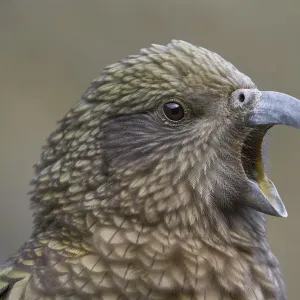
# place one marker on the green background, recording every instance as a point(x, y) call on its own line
point(51, 50)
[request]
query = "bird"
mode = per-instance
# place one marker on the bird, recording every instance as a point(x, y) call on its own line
point(154, 186)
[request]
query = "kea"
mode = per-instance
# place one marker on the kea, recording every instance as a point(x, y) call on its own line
point(154, 186)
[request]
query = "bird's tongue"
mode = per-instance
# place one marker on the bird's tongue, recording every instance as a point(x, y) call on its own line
point(272, 108)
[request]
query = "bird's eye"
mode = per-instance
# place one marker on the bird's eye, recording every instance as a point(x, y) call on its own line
point(173, 111)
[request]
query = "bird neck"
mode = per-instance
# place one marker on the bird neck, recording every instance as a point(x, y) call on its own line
point(190, 260)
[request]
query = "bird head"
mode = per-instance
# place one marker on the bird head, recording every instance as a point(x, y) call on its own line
point(175, 133)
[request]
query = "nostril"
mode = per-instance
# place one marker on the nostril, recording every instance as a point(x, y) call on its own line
point(242, 97)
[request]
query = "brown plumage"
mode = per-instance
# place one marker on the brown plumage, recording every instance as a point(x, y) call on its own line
point(132, 204)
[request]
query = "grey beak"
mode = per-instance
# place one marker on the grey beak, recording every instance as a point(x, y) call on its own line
point(270, 204)
point(271, 108)
point(275, 108)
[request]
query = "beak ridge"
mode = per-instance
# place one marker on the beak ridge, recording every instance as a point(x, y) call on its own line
point(275, 108)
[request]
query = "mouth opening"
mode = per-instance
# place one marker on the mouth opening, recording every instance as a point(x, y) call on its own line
point(252, 158)
point(261, 194)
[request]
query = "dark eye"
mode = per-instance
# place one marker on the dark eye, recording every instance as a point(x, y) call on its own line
point(173, 111)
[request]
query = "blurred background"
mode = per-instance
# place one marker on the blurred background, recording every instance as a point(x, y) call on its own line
point(51, 50)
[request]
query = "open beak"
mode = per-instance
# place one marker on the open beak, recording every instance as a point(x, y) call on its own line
point(272, 108)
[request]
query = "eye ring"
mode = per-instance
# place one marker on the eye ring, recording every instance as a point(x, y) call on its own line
point(174, 111)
